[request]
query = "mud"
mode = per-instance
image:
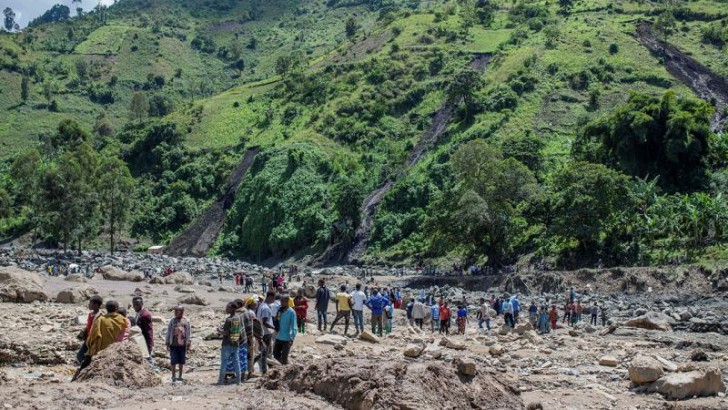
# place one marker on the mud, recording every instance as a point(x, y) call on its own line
point(120, 365)
point(359, 384)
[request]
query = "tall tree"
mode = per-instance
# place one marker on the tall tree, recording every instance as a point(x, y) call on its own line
point(351, 28)
point(25, 88)
point(116, 188)
point(463, 87)
point(9, 22)
point(138, 107)
point(566, 6)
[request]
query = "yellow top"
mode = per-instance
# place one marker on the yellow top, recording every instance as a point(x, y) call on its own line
point(104, 332)
point(342, 299)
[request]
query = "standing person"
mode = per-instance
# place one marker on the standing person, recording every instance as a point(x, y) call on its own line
point(229, 351)
point(567, 313)
point(579, 311)
point(265, 316)
point(572, 295)
point(178, 341)
point(435, 315)
point(343, 309)
point(263, 284)
point(246, 336)
point(248, 284)
point(144, 321)
point(594, 312)
point(252, 305)
point(408, 309)
point(507, 308)
point(553, 317)
point(358, 297)
point(573, 314)
point(462, 319)
point(286, 332)
point(603, 315)
point(444, 318)
point(516, 306)
point(389, 317)
point(219, 277)
point(301, 307)
point(94, 305)
point(418, 313)
point(484, 315)
point(543, 320)
point(533, 313)
point(376, 303)
point(322, 304)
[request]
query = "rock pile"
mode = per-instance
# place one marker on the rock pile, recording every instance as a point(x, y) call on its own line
point(120, 365)
point(21, 286)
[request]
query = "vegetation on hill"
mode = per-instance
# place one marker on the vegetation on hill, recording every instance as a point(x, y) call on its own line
point(575, 145)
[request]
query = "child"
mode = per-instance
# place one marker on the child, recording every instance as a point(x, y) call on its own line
point(553, 317)
point(301, 308)
point(462, 319)
point(178, 341)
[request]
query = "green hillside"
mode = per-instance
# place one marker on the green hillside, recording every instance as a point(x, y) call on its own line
point(574, 144)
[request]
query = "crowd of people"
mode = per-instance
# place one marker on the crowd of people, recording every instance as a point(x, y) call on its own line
point(263, 327)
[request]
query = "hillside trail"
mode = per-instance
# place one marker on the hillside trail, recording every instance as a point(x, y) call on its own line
point(440, 121)
point(199, 237)
point(707, 84)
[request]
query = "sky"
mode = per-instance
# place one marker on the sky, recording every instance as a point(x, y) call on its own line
point(27, 10)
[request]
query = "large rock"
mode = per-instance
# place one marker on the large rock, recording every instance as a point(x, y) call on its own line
point(76, 294)
point(110, 272)
point(643, 370)
point(496, 350)
point(177, 278)
point(521, 328)
point(413, 350)
point(610, 361)
point(678, 386)
point(309, 291)
point(76, 277)
point(369, 336)
point(193, 299)
point(652, 321)
point(504, 330)
point(21, 286)
point(467, 366)
point(332, 340)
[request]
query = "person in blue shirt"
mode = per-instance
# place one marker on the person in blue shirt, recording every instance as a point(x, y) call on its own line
point(435, 316)
point(286, 331)
point(507, 309)
point(533, 314)
point(516, 305)
point(376, 303)
point(462, 319)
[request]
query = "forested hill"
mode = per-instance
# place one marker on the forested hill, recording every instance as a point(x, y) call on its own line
point(386, 131)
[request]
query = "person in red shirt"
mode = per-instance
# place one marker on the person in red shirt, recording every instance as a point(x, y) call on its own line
point(94, 305)
point(300, 305)
point(445, 318)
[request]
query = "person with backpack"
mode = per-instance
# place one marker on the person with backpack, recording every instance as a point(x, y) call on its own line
point(300, 304)
point(322, 304)
point(343, 309)
point(245, 337)
point(232, 331)
point(178, 341)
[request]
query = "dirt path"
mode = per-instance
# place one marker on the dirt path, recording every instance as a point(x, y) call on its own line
point(440, 121)
point(199, 237)
point(707, 84)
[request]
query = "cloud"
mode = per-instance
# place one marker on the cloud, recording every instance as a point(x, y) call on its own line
point(27, 10)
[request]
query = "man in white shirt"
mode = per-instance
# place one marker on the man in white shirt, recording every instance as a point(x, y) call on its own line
point(358, 297)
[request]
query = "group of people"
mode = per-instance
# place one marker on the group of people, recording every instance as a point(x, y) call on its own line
point(352, 304)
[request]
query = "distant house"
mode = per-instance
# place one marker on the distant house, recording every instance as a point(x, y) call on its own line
point(156, 249)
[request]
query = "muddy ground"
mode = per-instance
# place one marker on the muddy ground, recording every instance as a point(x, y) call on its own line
point(559, 370)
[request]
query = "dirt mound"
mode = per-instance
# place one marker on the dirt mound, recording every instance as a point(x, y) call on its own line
point(376, 384)
point(120, 365)
point(21, 286)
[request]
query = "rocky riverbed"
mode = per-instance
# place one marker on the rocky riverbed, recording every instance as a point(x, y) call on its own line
point(663, 343)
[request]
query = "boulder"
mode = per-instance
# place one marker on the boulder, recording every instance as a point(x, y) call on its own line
point(610, 361)
point(179, 278)
point(75, 277)
point(193, 299)
point(331, 340)
point(589, 329)
point(455, 345)
point(643, 370)
point(110, 272)
point(678, 386)
point(75, 295)
point(309, 291)
point(467, 366)
point(496, 350)
point(184, 289)
point(522, 328)
point(652, 321)
point(666, 364)
point(412, 350)
point(21, 286)
point(369, 336)
point(698, 355)
point(504, 330)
